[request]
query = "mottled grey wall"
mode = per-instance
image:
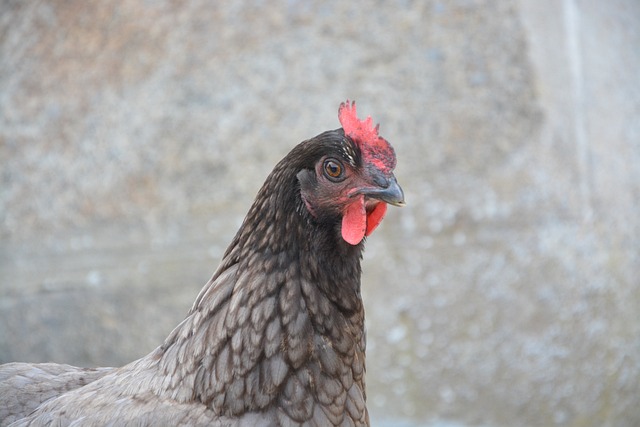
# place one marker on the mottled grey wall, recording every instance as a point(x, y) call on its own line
point(134, 135)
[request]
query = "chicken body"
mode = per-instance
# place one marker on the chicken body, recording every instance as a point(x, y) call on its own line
point(275, 338)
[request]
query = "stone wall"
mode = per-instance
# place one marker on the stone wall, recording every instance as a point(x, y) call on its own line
point(134, 136)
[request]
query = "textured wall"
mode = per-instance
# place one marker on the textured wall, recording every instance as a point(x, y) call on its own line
point(134, 135)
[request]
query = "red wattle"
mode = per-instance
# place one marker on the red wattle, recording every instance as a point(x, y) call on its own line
point(374, 218)
point(354, 222)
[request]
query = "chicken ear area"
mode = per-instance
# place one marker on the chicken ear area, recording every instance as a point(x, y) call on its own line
point(357, 223)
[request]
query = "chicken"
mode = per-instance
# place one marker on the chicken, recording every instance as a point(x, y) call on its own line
point(276, 337)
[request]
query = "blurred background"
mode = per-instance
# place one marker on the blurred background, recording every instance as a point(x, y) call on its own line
point(135, 134)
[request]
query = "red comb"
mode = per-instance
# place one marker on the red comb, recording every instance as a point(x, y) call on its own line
point(361, 131)
point(365, 135)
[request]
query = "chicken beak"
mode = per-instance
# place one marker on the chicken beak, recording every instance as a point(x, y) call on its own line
point(391, 194)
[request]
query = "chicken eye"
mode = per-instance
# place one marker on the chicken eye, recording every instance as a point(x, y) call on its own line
point(332, 169)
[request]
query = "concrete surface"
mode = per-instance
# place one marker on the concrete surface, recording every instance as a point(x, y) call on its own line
point(134, 135)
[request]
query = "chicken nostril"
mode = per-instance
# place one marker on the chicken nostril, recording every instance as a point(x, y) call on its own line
point(380, 181)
